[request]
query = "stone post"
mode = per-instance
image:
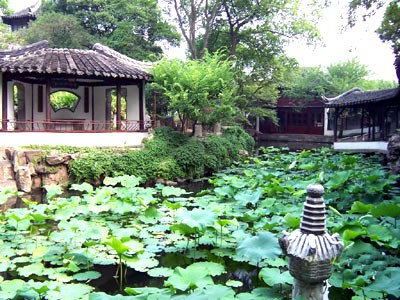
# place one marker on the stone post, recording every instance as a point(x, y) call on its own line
point(311, 249)
point(198, 130)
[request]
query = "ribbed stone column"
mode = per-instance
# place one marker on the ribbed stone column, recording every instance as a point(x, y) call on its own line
point(310, 249)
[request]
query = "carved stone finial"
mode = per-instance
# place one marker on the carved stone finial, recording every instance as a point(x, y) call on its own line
point(311, 249)
point(313, 219)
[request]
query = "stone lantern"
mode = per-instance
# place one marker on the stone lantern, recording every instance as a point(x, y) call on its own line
point(311, 249)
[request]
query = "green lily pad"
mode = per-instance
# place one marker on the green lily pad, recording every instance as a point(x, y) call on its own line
point(379, 233)
point(32, 269)
point(256, 248)
point(195, 275)
point(160, 272)
point(89, 275)
point(272, 276)
point(168, 191)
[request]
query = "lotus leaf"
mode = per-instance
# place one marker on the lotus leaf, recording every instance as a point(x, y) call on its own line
point(32, 269)
point(148, 291)
point(142, 262)
point(196, 218)
point(83, 187)
point(261, 294)
point(291, 221)
point(150, 216)
point(215, 292)
point(160, 272)
point(53, 190)
point(349, 235)
point(71, 291)
point(338, 179)
point(10, 288)
point(125, 181)
point(245, 197)
point(387, 281)
point(379, 233)
point(272, 276)
point(386, 209)
point(359, 207)
point(224, 191)
point(168, 191)
point(256, 248)
point(234, 283)
point(195, 275)
point(89, 275)
point(117, 245)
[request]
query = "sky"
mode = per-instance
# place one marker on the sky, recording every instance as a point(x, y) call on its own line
point(360, 42)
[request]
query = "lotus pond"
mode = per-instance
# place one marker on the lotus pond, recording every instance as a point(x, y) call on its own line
point(124, 241)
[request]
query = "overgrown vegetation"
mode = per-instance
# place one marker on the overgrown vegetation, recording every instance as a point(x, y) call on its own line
point(169, 155)
point(163, 243)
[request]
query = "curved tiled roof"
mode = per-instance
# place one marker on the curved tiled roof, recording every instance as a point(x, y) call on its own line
point(101, 62)
point(356, 96)
point(29, 12)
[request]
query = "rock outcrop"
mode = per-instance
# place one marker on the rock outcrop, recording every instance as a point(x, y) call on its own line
point(29, 170)
point(393, 154)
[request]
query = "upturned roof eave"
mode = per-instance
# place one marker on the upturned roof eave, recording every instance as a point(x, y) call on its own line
point(349, 99)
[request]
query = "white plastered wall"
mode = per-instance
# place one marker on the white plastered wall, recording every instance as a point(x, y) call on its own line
point(98, 94)
point(132, 102)
point(1, 101)
point(79, 112)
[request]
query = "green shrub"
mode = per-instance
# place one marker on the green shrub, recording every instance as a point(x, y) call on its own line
point(190, 157)
point(168, 155)
point(92, 166)
point(172, 138)
point(240, 137)
point(217, 156)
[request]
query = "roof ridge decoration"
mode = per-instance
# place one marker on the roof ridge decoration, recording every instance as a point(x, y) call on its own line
point(357, 96)
point(44, 44)
point(100, 48)
point(351, 91)
point(31, 10)
point(101, 61)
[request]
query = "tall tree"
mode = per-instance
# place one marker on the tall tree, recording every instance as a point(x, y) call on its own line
point(198, 90)
point(389, 29)
point(122, 24)
point(254, 32)
point(193, 17)
point(4, 6)
point(331, 81)
point(62, 31)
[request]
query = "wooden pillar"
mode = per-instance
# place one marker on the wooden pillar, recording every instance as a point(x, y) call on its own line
point(362, 124)
point(373, 125)
point(4, 103)
point(48, 104)
point(154, 109)
point(141, 105)
point(93, 126)
point(118, 91)
point(335, 124)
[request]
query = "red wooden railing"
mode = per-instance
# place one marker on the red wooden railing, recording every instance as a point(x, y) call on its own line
point(74, 125)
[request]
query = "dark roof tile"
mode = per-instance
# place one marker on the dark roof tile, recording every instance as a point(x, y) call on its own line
point(356, 97)
point(101, 62)
point(30, 12)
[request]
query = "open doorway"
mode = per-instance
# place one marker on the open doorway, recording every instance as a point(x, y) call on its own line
point(111, 109)
point(19, 106)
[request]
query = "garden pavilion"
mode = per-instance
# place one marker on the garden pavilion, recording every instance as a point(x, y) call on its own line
point(108, 88)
